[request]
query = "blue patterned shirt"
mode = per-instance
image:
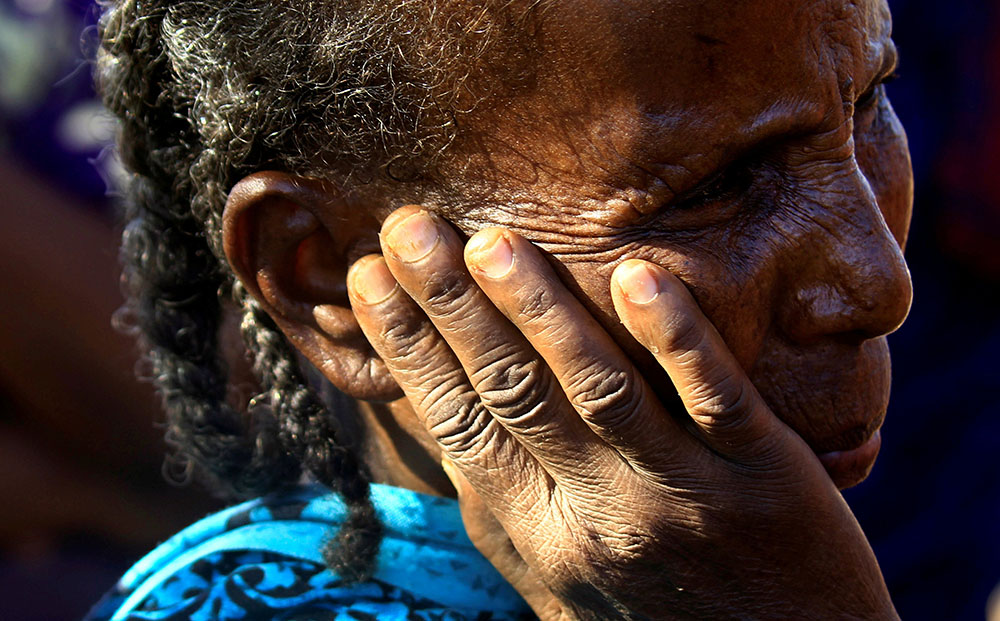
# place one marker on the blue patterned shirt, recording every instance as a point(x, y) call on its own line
point(262, 560)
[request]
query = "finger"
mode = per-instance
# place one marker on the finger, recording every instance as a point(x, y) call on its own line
point(512, 381)
point(493, 542)
point(661, 314)
point(597, 377)
point(435, 385)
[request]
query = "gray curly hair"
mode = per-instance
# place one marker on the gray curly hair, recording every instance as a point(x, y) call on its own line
point(208, 92)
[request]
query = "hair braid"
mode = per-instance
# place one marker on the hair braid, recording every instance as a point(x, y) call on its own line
point(174, 299)
point(173, 280)
point(317, 440)
point(208, 92)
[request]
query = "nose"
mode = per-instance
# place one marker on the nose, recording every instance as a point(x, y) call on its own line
point(850, 279)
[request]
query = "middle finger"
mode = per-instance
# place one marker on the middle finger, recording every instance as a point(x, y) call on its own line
point(425, 256)
point(598, 378)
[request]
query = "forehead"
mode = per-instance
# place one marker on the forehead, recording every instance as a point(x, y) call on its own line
point(677, 52)
point(703, 31)
point(687, 83)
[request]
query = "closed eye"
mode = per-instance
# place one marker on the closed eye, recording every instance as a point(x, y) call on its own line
point(733, 181)
point(873, 94)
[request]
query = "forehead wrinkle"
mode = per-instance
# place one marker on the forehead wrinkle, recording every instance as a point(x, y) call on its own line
point(846, 34)
point(845, 29)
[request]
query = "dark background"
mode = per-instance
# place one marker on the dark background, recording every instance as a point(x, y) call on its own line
point(80, 459)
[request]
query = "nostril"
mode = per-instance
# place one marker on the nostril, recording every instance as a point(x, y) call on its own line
point(850, 310)
point(853, 337)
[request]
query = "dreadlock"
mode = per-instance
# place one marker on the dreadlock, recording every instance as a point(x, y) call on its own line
point(207, 92)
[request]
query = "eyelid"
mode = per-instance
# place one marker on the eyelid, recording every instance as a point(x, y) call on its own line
point(888, 73)
point(872, 95)
point(733, 178)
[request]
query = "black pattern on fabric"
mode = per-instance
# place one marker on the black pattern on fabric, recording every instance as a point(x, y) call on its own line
point(261, 560)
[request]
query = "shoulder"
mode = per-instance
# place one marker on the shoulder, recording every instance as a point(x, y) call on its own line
point(262, 559)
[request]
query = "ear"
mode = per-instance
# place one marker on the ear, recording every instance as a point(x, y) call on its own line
point(290, 241)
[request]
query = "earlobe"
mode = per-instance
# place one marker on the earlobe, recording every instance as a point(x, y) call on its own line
point(290, 240)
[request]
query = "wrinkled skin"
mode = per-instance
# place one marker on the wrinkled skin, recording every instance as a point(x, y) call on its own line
point(794, 253)
point(704, 206)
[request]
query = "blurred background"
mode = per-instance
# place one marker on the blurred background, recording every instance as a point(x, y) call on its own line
point(80, 453)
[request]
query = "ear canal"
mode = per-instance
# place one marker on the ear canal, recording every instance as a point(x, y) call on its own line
point(320, 274)
point(290, 241)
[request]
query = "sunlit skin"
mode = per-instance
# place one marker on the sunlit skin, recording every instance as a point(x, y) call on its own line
point(795, 252)
point(699, 198)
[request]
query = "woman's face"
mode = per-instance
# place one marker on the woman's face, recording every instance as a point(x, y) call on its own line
point(745, 146)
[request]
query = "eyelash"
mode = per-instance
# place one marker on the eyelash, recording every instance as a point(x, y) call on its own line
point(875, 93)
point(732, 182)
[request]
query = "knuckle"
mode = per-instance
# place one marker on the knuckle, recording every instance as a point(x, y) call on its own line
point(470, 440)
point(446, 291)
point(613, 551)
point(537, 303)
point(511, 389)
point(605, 396)
point(722, 404)
point(683, 333)
point(448, 392)
point(408, 335)
point(459, 424)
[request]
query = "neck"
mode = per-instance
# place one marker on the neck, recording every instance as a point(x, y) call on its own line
point(398, 451)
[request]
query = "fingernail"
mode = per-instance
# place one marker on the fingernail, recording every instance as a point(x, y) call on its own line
point(413, 238)
point(398, 216)
point(637, 282)
point(372, 280)
point(491, 253)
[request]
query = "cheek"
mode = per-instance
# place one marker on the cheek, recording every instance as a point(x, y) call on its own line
point(884, 157)
point(730, 288)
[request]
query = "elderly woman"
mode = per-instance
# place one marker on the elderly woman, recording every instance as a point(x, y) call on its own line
point(637, 318)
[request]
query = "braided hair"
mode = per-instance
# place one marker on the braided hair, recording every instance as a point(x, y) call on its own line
point(210, 91)
point(199, 109)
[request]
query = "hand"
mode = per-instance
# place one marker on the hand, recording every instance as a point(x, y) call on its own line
point(614, 508)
